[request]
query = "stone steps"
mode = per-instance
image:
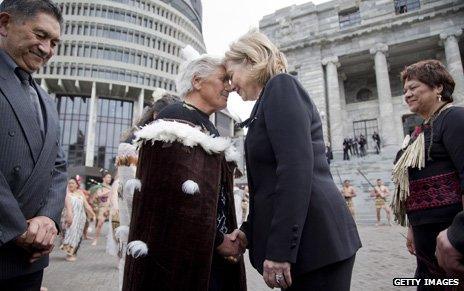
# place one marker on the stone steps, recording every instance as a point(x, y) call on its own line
point(373, 167)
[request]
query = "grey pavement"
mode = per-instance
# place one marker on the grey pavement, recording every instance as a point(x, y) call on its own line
point(382, 258)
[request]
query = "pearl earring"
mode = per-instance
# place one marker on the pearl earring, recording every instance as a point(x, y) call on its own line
point(439, 97)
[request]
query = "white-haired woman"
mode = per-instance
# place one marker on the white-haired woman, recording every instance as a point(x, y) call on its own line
point(299, 230)
point(190, 245)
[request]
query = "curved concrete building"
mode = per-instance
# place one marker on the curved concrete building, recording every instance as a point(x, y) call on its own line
point(113, 55)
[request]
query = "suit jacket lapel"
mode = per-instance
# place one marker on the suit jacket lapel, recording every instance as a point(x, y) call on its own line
point(51, 134)
point(50, 141)
point(23, 108)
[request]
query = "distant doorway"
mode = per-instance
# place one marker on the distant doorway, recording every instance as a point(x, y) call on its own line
point(366, 127)
point(410, 121)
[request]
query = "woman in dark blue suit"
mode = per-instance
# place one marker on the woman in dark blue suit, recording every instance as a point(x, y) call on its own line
point(299, 230)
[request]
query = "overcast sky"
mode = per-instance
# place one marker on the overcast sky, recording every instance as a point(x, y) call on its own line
point(226, 20)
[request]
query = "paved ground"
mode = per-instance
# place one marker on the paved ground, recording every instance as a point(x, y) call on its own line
point(382, 258)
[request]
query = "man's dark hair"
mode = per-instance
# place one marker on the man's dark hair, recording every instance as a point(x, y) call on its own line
point(28, 9)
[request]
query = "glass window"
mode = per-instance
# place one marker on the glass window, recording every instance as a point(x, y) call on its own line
point(93, 51)
point(73, 115)
point(403, 6)
point(349, 18)
point(114, 117)
point(366, 128)
point(86, 51)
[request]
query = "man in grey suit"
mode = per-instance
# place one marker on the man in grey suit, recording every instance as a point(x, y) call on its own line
point(32, 165)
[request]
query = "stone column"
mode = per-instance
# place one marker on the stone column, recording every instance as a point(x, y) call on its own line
point(454, 63)
point(138, 106)
point(347, 126)
point(387, 126)
point(91, 127)
point(333, 93)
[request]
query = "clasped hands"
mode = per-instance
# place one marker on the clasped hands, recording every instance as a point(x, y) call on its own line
point(233, 246)
point(38, 239)
point(275, 274)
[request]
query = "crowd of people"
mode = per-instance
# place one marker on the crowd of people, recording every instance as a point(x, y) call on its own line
point(173, 222)
point(357, 146)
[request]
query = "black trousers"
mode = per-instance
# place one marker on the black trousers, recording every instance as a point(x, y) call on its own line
point(346, 156)
point(334, 277)
point(425, 241)
point(29, 282)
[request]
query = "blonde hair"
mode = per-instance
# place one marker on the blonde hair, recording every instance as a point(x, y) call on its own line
point(256, 49)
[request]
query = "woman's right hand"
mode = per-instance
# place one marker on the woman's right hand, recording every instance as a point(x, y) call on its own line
point(410, 242)
point(68, 219)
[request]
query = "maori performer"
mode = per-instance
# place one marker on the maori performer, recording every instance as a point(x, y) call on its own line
point(126, 163)
point(381, 192)
point(183, 216)
point(349, 193)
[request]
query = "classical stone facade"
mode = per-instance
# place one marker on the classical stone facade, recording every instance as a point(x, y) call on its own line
point(349, 55)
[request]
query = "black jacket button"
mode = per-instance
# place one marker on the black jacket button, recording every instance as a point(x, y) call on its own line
point(295, 236)
point(293, 245)
point(11, 133)
point(295, 227)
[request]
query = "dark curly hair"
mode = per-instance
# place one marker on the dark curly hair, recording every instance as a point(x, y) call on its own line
point(432, 73)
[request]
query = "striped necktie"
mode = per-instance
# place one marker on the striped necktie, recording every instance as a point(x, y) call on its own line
point(26, 82)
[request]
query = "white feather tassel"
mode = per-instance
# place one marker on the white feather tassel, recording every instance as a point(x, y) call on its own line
point(131, 185)
point(190, 187)
point(122, 233)
point(137, 248)
point(189, 53)
point(232, 155)
point(171, 131)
